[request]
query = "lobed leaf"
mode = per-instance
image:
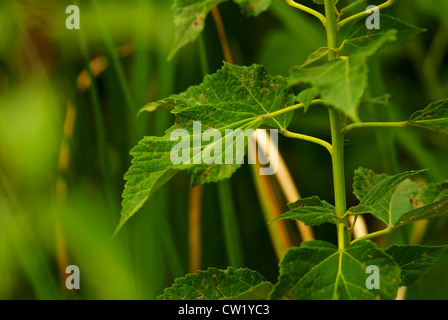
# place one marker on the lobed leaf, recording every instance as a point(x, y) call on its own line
point(358, 36)
point(215, 284)
point(316, 55)
point(189, 17)
point(317, 270)
point(369, 187)
point(434, 117)
point(233, 98)
point(414, 260)
point(253, 7)
point(342, 82)
point(435, 210)
point(396, 200)
point(311, 211)
point(306, 97)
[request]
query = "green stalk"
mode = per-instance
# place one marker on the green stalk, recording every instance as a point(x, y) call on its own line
point(337, 136)
point(132, 110)
point(372, 235)
point(98, 116)
point(230, 225)
point(402, 124)
point(331, 27)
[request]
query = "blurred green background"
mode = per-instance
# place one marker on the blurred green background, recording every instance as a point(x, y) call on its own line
point(65, 142)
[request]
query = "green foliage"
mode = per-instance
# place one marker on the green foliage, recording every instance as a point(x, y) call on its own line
point(414, 260)
point(233, 98)
point(318, 270)
point(311, 211)
point(341, 82)
point(358, 36)
point(215, 284)
point(65, 136)
point(249, 98)
point(396, 200)
point(433, 117)
point(189, 17)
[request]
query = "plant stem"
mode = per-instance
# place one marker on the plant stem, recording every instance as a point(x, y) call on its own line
point(307, 10)
point(299, 136)
point(402, 124)
point(222, 35)
point(271, 115)
point(195, 213)
point(337, 157)
point(372, 235)
point(331, 27)
point(337, 136)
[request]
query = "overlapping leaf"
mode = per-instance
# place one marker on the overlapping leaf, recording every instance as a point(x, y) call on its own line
point(317, 270)
point(397, 200)
point(311, 211)
point(215, 284)
point(342, 82)
point(434, 117)
point(414, 260)
point(369, 186)
point(189, 17)
point(233, 98)
point(358, 36)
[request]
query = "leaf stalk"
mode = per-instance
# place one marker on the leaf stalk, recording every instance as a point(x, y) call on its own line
point(306, 9)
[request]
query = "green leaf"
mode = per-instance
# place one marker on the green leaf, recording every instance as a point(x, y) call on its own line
point(215, 284)
point(189, 17)
point(381, 100)
point(435, 210)
point(253, 7)
point(316, 55)
point(258, 292)
point(311, 211)
point(342, 82)
point(306, 97)
point(434, 117)
point(358, 36)
point(359, 210)
point(389, 196)
point(396, 200)
point(414, 260)
point(369, 187)
point(167, 104)
point(433, 192)
point(317, 270)
point(233, 98)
